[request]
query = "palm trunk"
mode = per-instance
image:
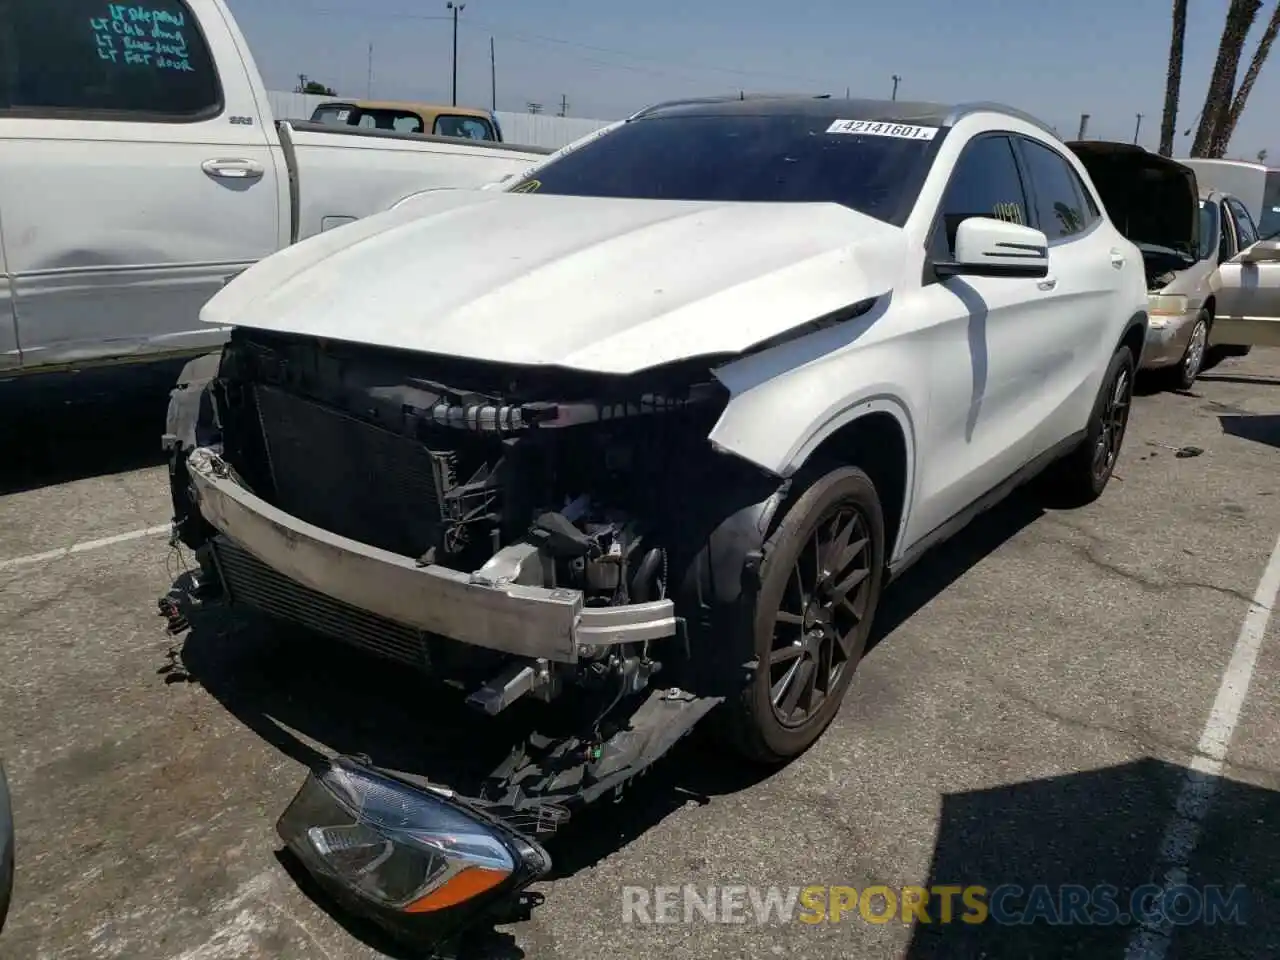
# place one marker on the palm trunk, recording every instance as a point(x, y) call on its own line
point(1240, 17)
point(1173, 83)
point(1222, 137)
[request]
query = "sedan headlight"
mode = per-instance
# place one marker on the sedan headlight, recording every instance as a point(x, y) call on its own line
point(1166, 305)
point(416, 859)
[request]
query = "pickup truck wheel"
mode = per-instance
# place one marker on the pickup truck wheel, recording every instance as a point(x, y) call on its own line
point(819, 587)
point(1084, 473)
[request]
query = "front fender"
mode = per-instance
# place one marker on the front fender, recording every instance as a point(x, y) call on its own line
point(786, 403)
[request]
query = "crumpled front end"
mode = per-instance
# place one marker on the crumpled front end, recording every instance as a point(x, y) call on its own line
point(460, 517)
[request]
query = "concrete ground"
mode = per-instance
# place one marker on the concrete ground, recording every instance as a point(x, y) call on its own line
point(1042, 685)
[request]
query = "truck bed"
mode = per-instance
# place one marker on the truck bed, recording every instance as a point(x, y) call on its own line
point(328, 163)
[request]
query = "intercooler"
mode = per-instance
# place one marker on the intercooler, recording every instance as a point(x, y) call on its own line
point(350, 477)
point(251, 582)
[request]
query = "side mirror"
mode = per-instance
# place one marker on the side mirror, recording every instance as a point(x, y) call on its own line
point(986, 247)
point(1264, 251)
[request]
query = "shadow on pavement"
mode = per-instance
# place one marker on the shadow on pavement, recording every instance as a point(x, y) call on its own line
point(63, 427)
point(312, 698)
point(1094, 839)
point(1258, 427)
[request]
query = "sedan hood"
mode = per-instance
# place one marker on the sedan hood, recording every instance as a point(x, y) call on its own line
point(607, 285)
point(1152, 200)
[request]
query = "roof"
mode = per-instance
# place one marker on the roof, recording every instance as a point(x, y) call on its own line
point(411, 107)
point(925, 113)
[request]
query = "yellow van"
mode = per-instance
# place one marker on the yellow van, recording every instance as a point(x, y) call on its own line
point(464, 122)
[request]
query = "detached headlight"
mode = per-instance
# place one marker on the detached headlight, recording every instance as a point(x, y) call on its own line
point(407, 853)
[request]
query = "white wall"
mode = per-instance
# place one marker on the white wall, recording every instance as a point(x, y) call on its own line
point(532, 129)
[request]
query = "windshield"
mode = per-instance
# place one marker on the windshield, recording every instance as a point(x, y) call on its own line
point(746, 157)
point(332, 113)
point(1269, 221)
point(1208, 229)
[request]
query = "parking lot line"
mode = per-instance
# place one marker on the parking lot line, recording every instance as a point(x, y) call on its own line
point(84, 547)
point(1200, 784)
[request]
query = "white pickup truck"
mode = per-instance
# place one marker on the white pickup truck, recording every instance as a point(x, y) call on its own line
point(140, 168)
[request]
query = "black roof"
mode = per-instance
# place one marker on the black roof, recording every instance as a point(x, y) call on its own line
point(831, 108)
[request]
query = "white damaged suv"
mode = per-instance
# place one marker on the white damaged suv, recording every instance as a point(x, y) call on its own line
point(659, 420)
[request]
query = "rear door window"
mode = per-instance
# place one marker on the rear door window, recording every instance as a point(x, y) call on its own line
point(1063, 206)
point(93, 59)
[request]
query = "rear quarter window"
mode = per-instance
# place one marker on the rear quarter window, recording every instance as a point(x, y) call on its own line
point(468, 128)
point(95, 60)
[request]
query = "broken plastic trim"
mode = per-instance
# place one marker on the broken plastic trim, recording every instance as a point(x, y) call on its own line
point(511, 418)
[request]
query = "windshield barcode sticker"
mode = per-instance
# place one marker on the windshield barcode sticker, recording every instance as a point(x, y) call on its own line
point(878, 128)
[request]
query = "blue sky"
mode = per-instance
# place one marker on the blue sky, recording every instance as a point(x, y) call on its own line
point(1055, 60)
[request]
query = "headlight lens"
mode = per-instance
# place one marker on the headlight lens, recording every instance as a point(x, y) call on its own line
point(403, 848)
point(1166, 305)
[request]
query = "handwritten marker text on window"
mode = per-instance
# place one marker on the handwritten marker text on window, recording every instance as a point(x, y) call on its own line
point(142, 36)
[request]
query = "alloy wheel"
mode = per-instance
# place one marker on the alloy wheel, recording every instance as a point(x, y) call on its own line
point(823, 607)
point(1115, 417)
point(1195, 351)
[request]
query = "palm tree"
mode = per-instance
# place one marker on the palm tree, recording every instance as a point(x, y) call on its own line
point(1217, 102)
point(1173, 83)
point(1227, 125)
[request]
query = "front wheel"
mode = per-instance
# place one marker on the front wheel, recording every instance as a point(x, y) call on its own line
point(1183, 376)
point(1084, 473)
point(819, 588)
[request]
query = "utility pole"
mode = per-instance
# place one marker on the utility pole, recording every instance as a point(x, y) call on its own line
point(369, 87)
point(302, 83)
point(564, 105)
point(1136, 128)
point(457, 8)
point(493, 77)
point(1084, 125)
point(896, 80)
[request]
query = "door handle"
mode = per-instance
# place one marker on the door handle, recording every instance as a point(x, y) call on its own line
point(1048, 283)
point(1117, 259)
point(233, 169)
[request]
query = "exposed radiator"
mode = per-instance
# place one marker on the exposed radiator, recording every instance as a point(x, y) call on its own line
point(347, 476)
point(253, 583)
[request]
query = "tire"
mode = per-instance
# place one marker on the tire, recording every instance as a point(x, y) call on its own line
point(6, 849)
point(841, 507)
point(1083, 474)
point(1183, 376)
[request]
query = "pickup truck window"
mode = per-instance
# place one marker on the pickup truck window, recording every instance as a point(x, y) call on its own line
point(92, 59)
point(469, 128)
point(399, 120)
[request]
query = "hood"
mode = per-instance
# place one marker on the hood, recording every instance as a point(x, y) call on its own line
point(1152, 200)
point(606, 285)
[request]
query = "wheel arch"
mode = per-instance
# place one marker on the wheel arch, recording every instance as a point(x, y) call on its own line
point(877, 436)
point(1135, 335)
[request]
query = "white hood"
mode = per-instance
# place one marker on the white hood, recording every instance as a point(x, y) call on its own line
point(607, 285)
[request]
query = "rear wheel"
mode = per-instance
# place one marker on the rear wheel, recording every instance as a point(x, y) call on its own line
point(1084, 473)
point(819, 588)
